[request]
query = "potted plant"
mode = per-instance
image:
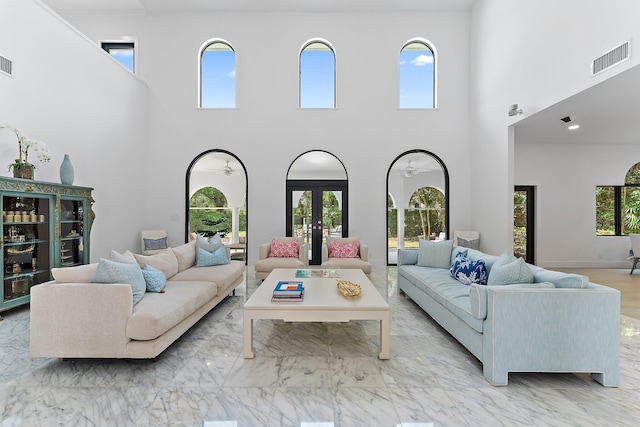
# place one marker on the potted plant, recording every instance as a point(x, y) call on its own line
point(21, 167)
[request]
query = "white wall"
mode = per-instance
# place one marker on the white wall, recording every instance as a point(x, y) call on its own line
point(536, 54)
point(267, 131)
point(74, 97)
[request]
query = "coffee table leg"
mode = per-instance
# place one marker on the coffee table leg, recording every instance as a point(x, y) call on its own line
point(385, 332)
point(248, 336)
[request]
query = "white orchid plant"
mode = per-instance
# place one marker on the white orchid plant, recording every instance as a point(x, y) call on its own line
point(24, 144)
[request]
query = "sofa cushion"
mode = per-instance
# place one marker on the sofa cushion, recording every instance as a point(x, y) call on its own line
point(77, 274)
point(478, 295)
point(508, 270)
point(467, 271)
point(435, 254)
point(153, 278)
point(159, 312)
point(186, 255)
point(205, 258)
point(117, 272)
point(438, 284)
point(268, 264)
point(222, 275)
point(164, 261)
point(559, 279)
point(211, 245)
point(126, 257)
point(280, 249)
point(343, 250)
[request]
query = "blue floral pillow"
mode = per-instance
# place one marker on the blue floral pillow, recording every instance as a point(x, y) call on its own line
point(467, 271)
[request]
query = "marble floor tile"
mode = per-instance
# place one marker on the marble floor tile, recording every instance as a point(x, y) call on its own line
point(305, 372)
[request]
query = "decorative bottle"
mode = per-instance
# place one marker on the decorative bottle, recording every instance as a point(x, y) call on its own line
point(66, 171)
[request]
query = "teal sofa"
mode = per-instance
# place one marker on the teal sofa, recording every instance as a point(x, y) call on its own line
point(545, 326)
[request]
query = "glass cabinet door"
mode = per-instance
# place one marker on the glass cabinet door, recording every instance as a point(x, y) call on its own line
point(26, 246)
point(72, 215)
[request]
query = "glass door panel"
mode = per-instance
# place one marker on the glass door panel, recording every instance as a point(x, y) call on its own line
point(523, 224)
point(331, 214)
point(26, 245)
point(71, 233)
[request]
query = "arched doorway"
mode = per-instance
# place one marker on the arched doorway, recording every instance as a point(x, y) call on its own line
point(317, 200)
point(417, 201)
point(216, 191)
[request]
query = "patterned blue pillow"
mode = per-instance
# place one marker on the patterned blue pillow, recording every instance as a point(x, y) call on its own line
point(205, 258)
point(467, 272)
point(212, 245)
point(118, 272)
point(154, 279)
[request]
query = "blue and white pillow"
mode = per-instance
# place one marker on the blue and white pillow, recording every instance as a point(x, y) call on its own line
point(205, 258)
point(467, 271)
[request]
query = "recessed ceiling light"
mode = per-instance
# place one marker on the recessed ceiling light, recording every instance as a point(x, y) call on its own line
point(573, 127)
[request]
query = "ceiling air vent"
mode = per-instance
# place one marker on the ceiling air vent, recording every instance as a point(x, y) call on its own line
point(611, 58)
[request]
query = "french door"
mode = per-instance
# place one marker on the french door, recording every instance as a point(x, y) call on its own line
point(316, 209)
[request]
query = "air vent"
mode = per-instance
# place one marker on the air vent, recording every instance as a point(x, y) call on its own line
point(6, 66)
point(611, 58)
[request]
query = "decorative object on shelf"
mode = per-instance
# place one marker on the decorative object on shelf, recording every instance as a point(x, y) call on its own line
point(21, 167)
point(348, 288)
point(66, 171)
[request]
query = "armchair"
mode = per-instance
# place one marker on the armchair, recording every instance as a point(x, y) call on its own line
point(332, 258)
point(267, 261)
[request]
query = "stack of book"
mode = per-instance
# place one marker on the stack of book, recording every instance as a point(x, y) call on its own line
point(288, 291)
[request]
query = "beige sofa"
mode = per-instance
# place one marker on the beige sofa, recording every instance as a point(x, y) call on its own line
point(74, 318)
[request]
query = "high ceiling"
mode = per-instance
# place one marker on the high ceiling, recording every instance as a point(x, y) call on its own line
point(144, 6)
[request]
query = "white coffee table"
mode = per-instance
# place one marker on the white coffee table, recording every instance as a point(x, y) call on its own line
point(322, 303)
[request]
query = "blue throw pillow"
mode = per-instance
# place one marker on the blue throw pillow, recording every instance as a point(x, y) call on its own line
point(153, 278)
point(435, 254)
point(205, 258)
point(156, 244)
point(508, 270)
point(214, 243)
point(118, 272)
point(467, 272)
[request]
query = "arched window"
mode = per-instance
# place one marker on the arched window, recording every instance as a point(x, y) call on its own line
point(217, 75)
point(417, 75)
point(317, 75)
point(618, 206)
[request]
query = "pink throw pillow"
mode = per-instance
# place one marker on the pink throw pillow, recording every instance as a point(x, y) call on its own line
point(284, 249)
point(343, 250)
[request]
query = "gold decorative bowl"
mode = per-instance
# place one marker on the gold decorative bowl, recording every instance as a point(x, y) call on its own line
point(348, 289)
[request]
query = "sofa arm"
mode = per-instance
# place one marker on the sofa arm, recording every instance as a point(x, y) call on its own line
point(478, 295)
point(263, 250)
point(79, 319)
point(407, 256)
point(552, 330)
point(364, 252)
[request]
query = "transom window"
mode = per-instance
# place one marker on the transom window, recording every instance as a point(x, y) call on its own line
point(123, 52)
point(217, 75)
point(317, 75)
point(417, 75)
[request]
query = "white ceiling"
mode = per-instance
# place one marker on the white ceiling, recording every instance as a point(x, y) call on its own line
point(144, 6)
point(608, 113)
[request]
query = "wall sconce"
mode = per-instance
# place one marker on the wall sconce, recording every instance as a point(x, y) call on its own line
point(514, 111)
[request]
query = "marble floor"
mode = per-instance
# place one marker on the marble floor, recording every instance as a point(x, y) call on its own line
point(306, 375)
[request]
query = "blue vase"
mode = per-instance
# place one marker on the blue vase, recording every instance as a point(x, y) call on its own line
point(66, 171)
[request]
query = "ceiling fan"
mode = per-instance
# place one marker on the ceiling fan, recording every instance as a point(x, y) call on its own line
point(410, 171)
point(227, 170)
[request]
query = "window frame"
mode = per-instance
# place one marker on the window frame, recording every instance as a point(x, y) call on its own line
point(107, 45)
point(430, 46)
point(618, 218)
point(201, 51)
point(335, 73)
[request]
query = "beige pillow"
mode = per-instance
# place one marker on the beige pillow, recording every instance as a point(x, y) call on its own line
point(164, 261)
point(77, 274)
point(126, 257)
point(186, 255)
